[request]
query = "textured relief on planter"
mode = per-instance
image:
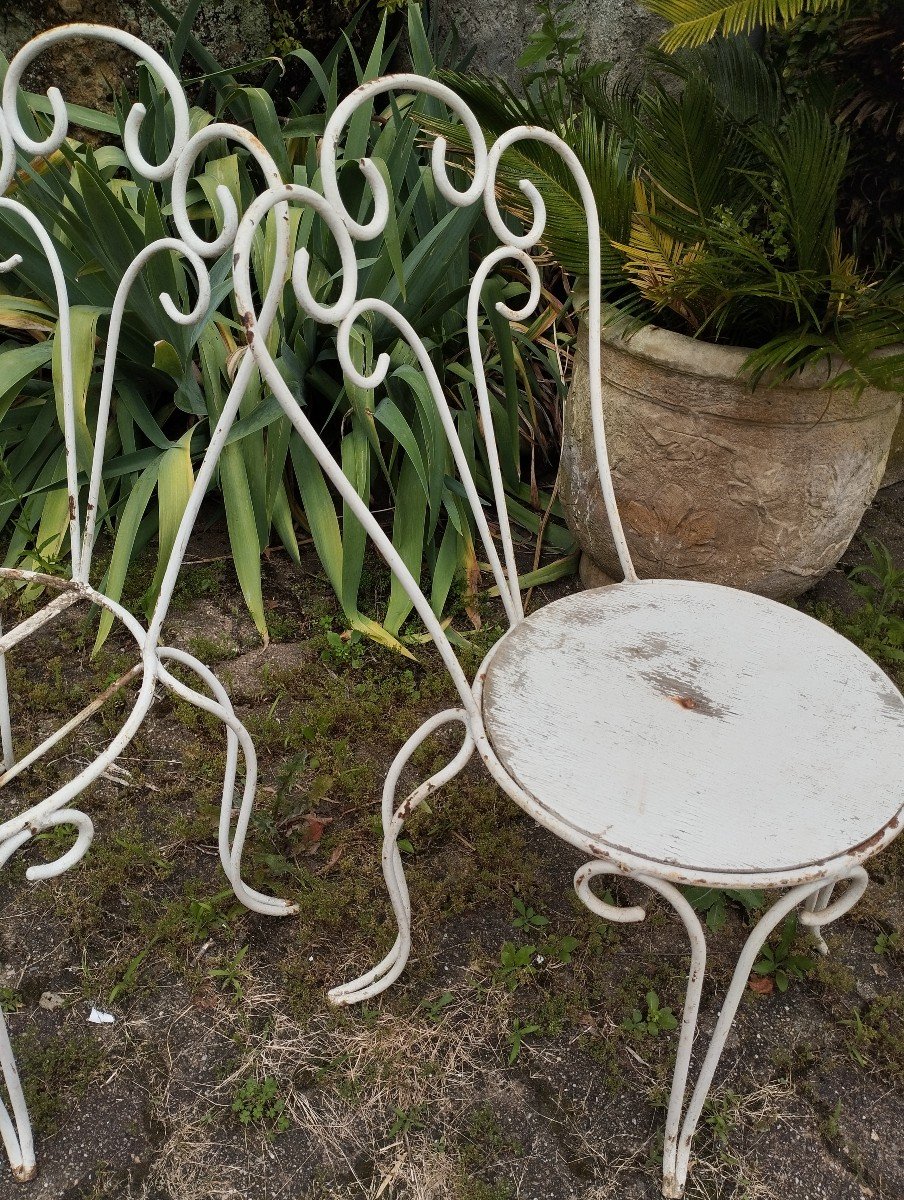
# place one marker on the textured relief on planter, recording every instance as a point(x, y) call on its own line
point(759, 490)
point(894, 468)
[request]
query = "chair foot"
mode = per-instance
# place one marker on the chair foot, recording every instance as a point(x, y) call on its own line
point(681, 1120)
point(387, 971)
point(15, 1128)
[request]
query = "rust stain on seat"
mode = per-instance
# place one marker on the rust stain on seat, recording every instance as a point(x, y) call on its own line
point(683, 693)
point(877, 837)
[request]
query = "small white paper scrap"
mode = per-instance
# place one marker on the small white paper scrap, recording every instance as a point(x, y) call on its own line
point(96, 1017)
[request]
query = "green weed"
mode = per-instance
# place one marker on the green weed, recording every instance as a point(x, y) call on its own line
point(780, 962)
point(654, 1021)
point(258, 1102)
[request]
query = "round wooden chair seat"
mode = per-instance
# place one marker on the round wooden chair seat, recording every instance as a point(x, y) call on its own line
point(707, 730)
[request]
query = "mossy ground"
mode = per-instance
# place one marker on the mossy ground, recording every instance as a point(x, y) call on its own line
point(506, 1063)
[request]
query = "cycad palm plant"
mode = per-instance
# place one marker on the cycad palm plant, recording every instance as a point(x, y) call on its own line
point(694, 22)
point(718, 193)
point(849, 52)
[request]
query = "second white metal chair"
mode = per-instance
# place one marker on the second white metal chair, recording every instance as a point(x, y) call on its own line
point(154, 658)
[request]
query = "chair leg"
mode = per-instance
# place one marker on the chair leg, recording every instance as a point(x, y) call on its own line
point(237, 738)
point(15, 1130)
point(694, 991)
point(6, 731)
point(387, 971)
point(816, 904)
point(679, 1133)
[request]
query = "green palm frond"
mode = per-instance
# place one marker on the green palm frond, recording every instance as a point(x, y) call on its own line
point(655, 261)
point(746, 86)
point(688, 146)
point(697, 21)
point(805, 163)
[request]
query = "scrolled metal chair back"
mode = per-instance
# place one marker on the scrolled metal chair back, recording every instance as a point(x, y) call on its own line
point(13, 137)
point(347, 308)
point(84, 479)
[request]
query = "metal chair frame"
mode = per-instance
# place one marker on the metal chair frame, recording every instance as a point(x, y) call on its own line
point(811, 889)
point(153, 669)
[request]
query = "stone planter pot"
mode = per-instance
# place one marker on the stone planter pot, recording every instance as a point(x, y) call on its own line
point(759, 490)
point(894, 468)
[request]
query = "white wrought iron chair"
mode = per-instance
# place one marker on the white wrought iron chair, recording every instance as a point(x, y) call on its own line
point(676, 733)
point(17, 828)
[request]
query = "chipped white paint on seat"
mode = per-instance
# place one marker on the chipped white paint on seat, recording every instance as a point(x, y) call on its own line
point(706, 729)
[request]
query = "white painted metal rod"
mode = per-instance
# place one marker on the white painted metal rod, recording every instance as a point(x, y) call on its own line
point(53, 609)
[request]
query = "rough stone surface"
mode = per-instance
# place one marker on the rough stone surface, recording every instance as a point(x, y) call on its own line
point(616, 31)
point(894, 470)
point(235, 31)
point(759, 490)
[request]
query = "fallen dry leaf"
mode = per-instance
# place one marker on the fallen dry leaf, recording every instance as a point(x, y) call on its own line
point(333, 859)
point(761, 984)
point(305, 832)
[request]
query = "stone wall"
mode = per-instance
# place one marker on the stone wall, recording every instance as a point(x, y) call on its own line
point(615, 31)
point(234, 31)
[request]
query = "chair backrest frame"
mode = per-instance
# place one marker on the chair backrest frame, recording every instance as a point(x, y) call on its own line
point(239, 235)
point(178, 167)
point(348, 308)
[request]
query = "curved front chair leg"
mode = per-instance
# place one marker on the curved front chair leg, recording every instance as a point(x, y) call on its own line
point(857, 879)
point(16, 1129)
point(231, 844)
point(691, 1010)
point(816, 912)
point(387, 971)
point(818, 903)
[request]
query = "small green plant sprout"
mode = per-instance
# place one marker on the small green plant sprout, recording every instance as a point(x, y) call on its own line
point(860, 1036)
point(719, 1113)
point(516, 1036)
point(527, 918)
point(888, 943)
point(435, 1008)
point(344, 649)
point(231, 976)
point(715, 903)
point(878, 626)
point(369, 1016)
point(780, 963)
point(129, 978)
point(832, 1123)
point(559, 949)
point(10, 1000)
point(204, 917)
point(516, 964)
point(258, 1102)
point(407, 1120)
point(656, 1020)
